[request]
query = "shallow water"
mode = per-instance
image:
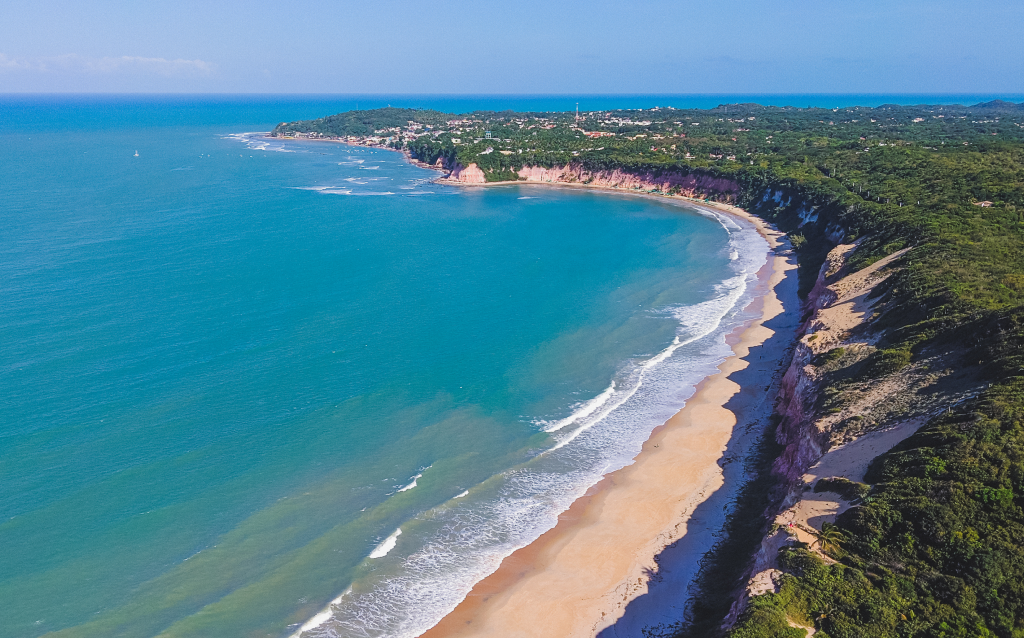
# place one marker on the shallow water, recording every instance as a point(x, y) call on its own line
point(234, 368)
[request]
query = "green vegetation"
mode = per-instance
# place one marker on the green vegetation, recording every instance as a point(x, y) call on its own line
point(833, 355)
point(888, 361)
point(850, 490)
point(936, 549)
point(362, 122)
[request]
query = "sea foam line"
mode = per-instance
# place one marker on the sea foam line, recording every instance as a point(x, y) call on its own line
point(586, 409)
point(387, 545)
point(730, 300)
point(459, 544)
point(410, 485)
point(323, 616)
point(589, 407)
point(258, 141)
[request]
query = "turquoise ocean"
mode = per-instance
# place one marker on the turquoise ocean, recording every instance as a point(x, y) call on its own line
point(251, 386)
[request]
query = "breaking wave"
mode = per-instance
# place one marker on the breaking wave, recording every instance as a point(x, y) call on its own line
point(457, 544)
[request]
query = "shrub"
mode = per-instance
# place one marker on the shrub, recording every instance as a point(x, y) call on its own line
point(849, 490)
point(888, 361)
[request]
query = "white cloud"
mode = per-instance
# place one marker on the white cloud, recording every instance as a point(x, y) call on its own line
point(15, 64)
point(125, 64)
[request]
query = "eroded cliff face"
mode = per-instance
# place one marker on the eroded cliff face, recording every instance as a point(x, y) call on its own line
point(471, 174)
point(836, 336)
point(804, 441)
point(686, 184)
point(694, 185)
point(835, 309)
point(837, 413)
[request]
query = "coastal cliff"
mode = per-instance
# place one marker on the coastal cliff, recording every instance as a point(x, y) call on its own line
point(839, 410)
point(852, 536)
point(684, 183)
point(466, 175)
point(688, 184)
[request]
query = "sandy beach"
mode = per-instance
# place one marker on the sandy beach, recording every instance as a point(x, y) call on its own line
point(622, 556)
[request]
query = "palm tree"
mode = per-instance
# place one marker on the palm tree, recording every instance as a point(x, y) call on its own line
point(829, 538)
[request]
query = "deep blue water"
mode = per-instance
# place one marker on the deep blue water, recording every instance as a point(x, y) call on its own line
point(233, 368)
point(101, 112)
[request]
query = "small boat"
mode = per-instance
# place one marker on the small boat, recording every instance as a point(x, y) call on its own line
point(136, 153)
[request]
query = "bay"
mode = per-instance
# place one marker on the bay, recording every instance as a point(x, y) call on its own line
point(234, 368)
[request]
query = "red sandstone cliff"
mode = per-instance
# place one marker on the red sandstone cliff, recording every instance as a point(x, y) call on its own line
point(688, 184)
point(466, 175)
point(670, 182)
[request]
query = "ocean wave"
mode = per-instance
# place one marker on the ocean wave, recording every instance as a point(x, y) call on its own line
point(696, 322)
point(410, 485)
point(258, 141)
point(414, 480)
point(330, 190)
point(583, 410)
point(344, 190)
point(457, 544)
point(386, 545)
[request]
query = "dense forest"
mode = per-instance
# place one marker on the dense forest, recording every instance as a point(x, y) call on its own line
point(935, 545)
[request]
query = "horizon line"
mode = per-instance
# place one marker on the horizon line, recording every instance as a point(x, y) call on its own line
point(579, 94)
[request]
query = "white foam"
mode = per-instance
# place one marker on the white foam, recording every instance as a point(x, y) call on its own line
point(696, 322)
point(321, 617)
point(389, 544)
point(330, 190)
point(410, 485)
point(464, 494)
point(456, 545)
point(258, 141)
point(315, 621)
point(584, 410)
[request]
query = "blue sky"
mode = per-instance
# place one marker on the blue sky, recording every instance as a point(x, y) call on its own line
point(520, 46)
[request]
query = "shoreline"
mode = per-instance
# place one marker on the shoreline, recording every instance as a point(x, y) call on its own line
point(607, 550)
point(762, 228)
point(549, 588)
